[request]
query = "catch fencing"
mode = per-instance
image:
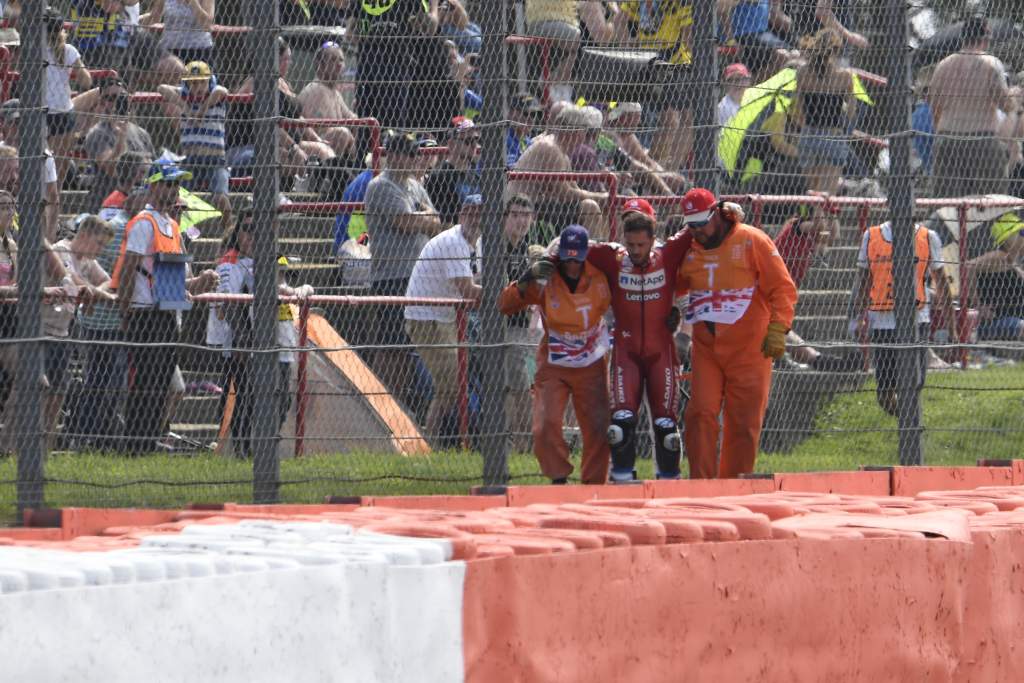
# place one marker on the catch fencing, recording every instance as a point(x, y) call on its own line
point(351, 343)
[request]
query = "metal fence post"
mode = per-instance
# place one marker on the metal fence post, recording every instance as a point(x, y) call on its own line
point(494, 79)
point(704, 74)
point(263, 18)
point(898, 107)
point(28, 407)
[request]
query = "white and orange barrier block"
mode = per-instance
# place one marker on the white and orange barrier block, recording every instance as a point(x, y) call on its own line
point(611, 584)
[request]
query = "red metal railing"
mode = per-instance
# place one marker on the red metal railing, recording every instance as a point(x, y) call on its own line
point(863, 205)
point(305, 305)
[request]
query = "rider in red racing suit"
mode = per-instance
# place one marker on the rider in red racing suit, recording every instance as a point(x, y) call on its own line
point(642, 277)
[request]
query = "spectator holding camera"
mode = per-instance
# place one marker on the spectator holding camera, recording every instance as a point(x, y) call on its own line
point(111, 138)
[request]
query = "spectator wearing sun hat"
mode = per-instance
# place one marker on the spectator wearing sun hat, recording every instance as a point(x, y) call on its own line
point(150, 322)
point(447, 268)
point(629, 154)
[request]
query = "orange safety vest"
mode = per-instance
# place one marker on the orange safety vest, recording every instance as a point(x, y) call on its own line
point(162, 244)
point(880, 263)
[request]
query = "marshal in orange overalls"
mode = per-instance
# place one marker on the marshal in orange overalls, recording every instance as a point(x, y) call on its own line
point(735, 290)
point(572, 358)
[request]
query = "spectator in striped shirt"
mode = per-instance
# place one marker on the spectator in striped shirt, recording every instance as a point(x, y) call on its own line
point(203, 107)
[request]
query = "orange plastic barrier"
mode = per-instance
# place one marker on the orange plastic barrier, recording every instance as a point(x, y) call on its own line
point(908, 481)
point(857, 483)
point(797, 610)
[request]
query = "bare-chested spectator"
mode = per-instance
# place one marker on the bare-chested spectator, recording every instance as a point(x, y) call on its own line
point(323, 97)
point(966, 93)
point(297, 144)
point(557, 201)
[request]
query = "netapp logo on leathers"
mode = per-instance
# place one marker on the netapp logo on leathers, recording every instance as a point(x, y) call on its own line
point(636, 283)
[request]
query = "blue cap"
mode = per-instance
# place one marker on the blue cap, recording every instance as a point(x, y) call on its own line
point(573, 243)
point(166, 171)
point(472, 200)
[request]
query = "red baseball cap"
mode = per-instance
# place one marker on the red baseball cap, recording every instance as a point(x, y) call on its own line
point(698, 206)
point(637, 205)
point(737, 70)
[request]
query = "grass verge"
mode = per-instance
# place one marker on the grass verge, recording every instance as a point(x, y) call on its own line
point(979, 414)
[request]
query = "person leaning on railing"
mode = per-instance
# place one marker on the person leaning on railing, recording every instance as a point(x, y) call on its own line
point(8, 319)
point(93, 421)
point(572, 358)
point(86, 282)
point(557, 201)
point(447, 268)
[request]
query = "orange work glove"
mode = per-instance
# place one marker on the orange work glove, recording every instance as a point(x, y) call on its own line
point(774, 344)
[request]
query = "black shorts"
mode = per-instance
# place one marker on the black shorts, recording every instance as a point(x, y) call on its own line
point(59, 123)
point(888, 358)
point(389, 321)
point(57, 356)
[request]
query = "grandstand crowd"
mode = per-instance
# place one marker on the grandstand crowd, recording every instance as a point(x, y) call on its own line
point(144, 95)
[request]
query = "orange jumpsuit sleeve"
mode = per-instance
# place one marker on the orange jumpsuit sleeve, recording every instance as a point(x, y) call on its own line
point(510, 301)
point(774, 280)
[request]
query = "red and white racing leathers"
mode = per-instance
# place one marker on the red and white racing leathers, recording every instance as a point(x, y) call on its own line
point(644, 353)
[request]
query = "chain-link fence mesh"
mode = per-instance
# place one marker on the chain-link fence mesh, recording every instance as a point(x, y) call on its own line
point(384, 166)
